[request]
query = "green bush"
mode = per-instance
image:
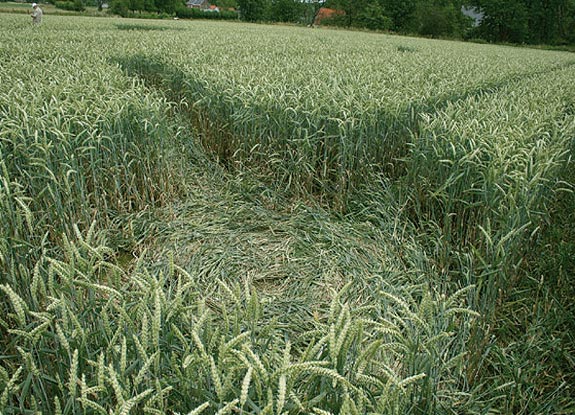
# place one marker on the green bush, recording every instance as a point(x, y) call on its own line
point(76, 5)
point(119, 8)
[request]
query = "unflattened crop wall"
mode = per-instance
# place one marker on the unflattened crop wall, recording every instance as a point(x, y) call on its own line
point(321, 131)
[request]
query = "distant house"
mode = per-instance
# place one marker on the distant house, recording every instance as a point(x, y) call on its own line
point(326, 13)
point(198, 4)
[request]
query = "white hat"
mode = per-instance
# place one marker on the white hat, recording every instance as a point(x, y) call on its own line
point(34, 4)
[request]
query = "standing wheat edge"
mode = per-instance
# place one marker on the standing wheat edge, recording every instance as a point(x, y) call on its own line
point(36, 14)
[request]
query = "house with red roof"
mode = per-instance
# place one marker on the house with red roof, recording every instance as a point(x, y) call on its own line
point(326, 13)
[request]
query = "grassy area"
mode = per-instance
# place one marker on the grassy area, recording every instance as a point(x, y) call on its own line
point(281, 220)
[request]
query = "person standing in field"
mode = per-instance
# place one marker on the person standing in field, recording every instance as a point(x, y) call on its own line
point(36, 14)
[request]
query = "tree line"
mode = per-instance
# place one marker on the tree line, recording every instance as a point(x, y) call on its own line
point(515, 21)
point(527, 21)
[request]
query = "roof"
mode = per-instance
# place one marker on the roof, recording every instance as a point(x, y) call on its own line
point(195, 2)
point(326, 13)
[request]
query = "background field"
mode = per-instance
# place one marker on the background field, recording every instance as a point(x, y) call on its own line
point(49, 9)
point(239, 218)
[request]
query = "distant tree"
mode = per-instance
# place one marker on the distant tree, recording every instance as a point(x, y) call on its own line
point(437, 18)
point(135, 5)
point(74, 5)
point(504, 20)
point(170, 6)
point(568, 22)
point(119, 7)
point(254, 10)
point(373, 16)
point(149, 5)
point(353, 9)
point(433, 21)
point(287, 11)
point(531, 21)
point(225, 4)
point(548, 20)
point(401, 12)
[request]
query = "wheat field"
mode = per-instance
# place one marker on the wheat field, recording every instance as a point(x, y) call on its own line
point(219, 218)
